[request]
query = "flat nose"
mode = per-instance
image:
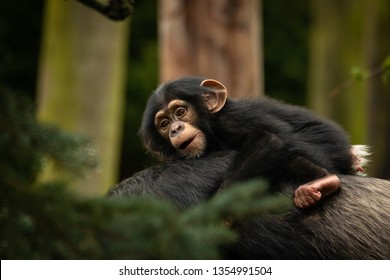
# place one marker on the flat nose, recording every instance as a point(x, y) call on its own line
point(176, 128)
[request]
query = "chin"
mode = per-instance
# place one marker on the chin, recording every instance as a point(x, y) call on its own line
point(193, 153)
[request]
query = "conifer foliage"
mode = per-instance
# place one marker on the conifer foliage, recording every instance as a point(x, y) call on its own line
point(49, 222)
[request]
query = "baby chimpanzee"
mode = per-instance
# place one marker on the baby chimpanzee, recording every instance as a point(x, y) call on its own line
point(285, 144)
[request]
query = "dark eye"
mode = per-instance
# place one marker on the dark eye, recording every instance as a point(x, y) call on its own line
point(181, 111)
point(164, 123)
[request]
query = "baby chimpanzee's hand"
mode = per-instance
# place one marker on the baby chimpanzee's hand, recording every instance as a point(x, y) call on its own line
point(308, 194)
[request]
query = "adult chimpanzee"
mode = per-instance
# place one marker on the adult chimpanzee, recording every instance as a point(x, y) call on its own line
point(353, 223)
point(286, 144)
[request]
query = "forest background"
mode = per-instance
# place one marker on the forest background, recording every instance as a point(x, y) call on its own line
point(87, 77)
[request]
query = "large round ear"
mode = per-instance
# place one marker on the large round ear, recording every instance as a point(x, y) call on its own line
point(215, 100)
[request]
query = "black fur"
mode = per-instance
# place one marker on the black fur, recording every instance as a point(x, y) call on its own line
point(183, 182)
point(284, 143)
point(354, 223)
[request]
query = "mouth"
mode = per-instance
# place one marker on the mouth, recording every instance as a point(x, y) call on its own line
point(186, 143)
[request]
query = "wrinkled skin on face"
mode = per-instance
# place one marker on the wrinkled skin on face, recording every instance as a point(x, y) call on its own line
point(177, 124)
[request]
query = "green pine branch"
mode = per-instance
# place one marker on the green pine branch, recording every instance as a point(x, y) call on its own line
point(50, 222)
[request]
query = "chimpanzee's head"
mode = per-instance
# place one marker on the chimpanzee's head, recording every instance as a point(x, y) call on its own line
point(176, 120)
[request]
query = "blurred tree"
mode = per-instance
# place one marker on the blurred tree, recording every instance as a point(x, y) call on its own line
point(20, 34)
point(286, 25)
point(377, 47)
point(142, 79)
point(345, 34)
point(81, 83)
point(215, 39)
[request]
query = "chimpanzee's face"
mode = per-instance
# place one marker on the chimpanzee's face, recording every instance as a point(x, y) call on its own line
point(177, 124)
point(171, 120)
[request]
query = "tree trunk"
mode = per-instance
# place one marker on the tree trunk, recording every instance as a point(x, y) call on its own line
point(81, 83)
point(377, 48)
point(336, 46)
point(346, 34)
point(218, 39)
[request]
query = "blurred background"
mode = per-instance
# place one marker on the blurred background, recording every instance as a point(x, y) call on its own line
point(85, 78)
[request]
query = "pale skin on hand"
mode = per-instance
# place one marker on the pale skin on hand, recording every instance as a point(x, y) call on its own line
point(308, 194)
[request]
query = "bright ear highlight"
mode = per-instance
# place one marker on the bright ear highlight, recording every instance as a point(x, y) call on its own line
point(215, 100)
